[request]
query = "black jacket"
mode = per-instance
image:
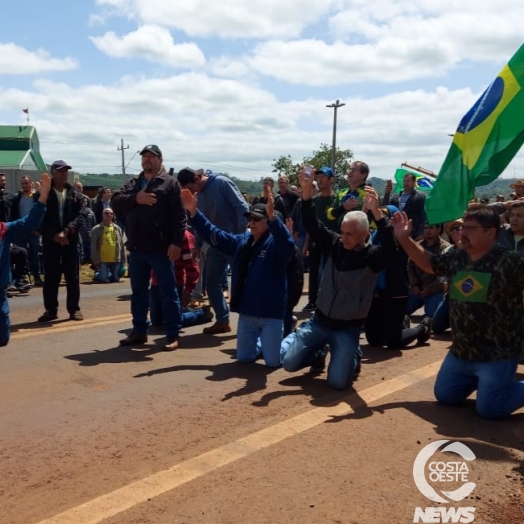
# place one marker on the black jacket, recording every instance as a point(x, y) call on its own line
point(414, 209)
point(73, 217)
point(152, 228)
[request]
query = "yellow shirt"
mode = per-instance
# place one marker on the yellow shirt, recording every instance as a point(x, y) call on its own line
point(108, 244)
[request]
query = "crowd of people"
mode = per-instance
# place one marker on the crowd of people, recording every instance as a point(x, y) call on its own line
point(372, 262)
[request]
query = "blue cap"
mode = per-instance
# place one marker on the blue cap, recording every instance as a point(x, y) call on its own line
point(59, 164)
point(325, 170)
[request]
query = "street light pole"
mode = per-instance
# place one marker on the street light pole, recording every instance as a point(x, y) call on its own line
point(335, 106)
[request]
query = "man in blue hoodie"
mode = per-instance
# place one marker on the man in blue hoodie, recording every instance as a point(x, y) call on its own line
point(11, 232)
point(258, 275)
point(220, 200)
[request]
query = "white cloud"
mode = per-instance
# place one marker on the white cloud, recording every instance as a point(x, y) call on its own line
point(16, 60)
point(228, 19)
point(227, 125)
point(153, 43)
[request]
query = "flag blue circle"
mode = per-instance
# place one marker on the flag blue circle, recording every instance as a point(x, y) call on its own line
point(483, 107)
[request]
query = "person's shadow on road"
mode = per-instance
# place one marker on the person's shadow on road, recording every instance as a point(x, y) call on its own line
point(254, 374)
point(116, 355)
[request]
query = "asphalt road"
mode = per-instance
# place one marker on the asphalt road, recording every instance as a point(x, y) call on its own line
point(91, 432)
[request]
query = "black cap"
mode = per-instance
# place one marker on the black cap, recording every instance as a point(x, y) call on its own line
point(258, 210)
point(152, 148)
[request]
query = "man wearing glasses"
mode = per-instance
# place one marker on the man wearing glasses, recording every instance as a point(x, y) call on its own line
point(353, 198)
point(258, 275)
point(108, 253)
point(486, 283)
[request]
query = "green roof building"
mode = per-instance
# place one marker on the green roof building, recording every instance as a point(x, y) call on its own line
point(20, 149)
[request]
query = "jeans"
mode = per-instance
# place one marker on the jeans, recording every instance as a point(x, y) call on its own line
point(298, 350)
point(430, 303)
point(5, 323)
point(498, 393)
point(259, 335)
point(216, 264)
point(441, 318)
point(189, 318)
point(108, 272)
point(140, 265)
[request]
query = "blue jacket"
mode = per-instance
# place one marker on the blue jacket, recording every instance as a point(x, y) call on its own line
point(265, 288)
point(13, 231)
point(223, 204)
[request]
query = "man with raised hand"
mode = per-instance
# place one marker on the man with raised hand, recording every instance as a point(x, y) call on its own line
point(11, 232)
point(345, 291)
point(486, 285)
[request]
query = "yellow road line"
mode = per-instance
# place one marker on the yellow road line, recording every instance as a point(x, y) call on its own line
point(122, 499)
point(51, 329)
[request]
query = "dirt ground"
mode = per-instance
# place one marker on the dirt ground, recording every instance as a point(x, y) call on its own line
point(91, 432)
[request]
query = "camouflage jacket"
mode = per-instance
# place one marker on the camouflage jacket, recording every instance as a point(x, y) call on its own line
point(486, 303)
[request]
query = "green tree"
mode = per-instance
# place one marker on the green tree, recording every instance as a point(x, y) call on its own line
point(322, 157)
point(284, 166)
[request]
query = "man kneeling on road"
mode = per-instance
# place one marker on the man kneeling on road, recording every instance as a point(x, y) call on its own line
point(486, 283)
point(345, 291)
point(258, 276)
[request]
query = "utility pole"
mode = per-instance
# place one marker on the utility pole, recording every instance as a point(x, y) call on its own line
point(335, 106)
point(122, 148)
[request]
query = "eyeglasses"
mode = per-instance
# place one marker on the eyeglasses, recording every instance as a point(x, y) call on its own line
point(108, 213)
point(468, 229)
point(454, 229)
point(254, 219)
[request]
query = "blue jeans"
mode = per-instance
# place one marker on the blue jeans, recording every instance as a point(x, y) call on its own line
point(498, 393)
point(216, 264)
point(441, 318)
point(430, 303)
point(259, 335)
point(108, 272)
point(189, 318)
point(5, 323)
point(140, 265)
point(298, 350)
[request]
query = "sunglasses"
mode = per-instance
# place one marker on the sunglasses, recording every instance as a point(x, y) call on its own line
point(252, 218)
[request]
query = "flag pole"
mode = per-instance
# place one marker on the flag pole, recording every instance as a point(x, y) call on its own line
point(420, 169)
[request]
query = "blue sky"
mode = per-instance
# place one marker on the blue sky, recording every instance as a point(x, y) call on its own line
point(230, 86)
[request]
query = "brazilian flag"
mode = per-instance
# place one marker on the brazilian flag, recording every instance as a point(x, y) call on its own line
point(486, 140)
point(422, 182)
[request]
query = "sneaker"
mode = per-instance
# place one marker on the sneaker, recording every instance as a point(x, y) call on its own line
point(427, 322)
point(319, 362)
point(208, 314)
point(22, 285)
point(11, 287)
point(48, 316)
point(38, 282)
point(217, 327)
point(309, 307)
point(77, 315)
